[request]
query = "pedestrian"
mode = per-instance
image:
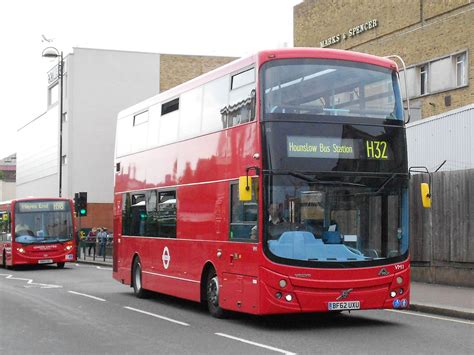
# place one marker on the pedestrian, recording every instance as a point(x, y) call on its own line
point(102, 236)
point(91, 239)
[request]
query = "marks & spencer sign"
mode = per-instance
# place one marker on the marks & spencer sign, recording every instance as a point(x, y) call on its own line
point(351, 32)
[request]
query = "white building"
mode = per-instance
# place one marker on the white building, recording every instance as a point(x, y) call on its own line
point(448, 136)
point(97, 84)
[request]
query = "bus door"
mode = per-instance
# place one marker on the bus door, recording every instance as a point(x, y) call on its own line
point(240, 260)
point(5, 236)
point(117, 231)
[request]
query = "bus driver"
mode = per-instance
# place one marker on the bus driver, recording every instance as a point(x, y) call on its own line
point(276, 224)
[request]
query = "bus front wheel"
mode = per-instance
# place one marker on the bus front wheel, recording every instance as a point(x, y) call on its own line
point(138, 289)
point(212, 296)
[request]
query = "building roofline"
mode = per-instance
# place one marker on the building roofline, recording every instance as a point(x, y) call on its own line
point(441, 115)
point(36, 118)
point(156, 53)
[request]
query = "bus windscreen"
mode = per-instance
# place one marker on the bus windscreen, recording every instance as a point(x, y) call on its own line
point(330, 88)
point(42, 222)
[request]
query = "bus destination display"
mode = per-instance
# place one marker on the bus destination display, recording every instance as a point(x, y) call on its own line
point(43, 206)
point(337, 148)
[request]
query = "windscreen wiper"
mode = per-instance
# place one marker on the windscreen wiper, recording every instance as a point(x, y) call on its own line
point(381, 187)
point(324, 182)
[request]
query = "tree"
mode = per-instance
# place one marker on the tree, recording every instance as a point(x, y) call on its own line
point(2, 175)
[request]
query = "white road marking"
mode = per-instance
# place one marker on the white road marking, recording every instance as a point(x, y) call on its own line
point(158, 316)
point(256, 344)
point(85, 295)
point(30, 283)
point(17, 278)
point(428, 316)
point(104, 268)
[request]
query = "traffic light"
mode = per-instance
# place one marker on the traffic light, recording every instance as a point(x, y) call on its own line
point(76, 203)
point(80, 202)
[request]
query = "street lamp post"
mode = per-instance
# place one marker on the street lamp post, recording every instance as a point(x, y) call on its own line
point(52, 52)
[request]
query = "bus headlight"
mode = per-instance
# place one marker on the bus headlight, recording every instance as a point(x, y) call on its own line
point(21, 250)
point(68, 247)
point(282, 283)
point(289, 298)
point(399, 280)
point(393, 294)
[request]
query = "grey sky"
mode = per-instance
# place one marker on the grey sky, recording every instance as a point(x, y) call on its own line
point(212, 27)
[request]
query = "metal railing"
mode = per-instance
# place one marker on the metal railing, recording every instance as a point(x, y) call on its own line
point(93, 249)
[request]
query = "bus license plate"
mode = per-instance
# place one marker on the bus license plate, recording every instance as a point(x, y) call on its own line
point(45, 261)
point(343, 306)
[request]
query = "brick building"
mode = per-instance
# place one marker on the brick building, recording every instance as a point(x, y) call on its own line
point(435, 39)
point(97, 84)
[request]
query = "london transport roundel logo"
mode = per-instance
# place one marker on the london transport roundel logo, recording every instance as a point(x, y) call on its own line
point(166, 258)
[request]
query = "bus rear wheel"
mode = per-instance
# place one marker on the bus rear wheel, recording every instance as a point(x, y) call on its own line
point(5, 262)
point(138, 289)
point(61, 265)
point(212, 295)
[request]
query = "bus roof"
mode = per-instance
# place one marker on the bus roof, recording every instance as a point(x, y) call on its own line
point(260, 58)
point(34, 199)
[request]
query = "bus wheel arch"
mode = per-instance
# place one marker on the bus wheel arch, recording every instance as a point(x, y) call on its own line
point(136, 278)
point(210, 291)
point(205, 271)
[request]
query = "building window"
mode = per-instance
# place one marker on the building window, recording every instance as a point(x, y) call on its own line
point(53, 95)
point(424, 79)
point(461, 69)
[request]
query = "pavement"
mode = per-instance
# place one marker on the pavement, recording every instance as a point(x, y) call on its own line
point(443, 300)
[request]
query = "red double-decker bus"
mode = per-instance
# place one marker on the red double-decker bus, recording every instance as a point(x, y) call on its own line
point(274, 184)
point(37, 231)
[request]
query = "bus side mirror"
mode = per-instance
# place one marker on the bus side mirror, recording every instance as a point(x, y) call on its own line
point(6, 217)
point(425, 195)
point(245, 188)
